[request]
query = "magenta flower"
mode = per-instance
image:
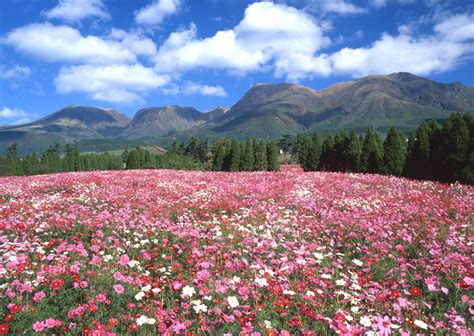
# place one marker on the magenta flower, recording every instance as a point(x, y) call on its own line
point(383, 324)
point(118, 289)
point(39, 326)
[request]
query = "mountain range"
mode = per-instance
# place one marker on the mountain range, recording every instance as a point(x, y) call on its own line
point(267, 111)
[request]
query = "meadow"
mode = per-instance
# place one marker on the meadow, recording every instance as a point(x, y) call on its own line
point(146, 252)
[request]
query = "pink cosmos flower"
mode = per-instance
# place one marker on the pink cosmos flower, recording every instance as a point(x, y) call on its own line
point(39, 326)
point(124, 260)
point(118, 289)
point(384, 326)
point(50, 323)
point(39, 296)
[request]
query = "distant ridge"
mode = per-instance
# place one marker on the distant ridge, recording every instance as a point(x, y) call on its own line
point(401, 99)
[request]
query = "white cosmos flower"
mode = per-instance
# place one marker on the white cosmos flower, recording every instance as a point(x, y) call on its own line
point(310, 293)
point(200, 307)
point(420, 324)
point(188, 291)
point(365, 321)
point(262, 282)
point(139, 296)
point(340, 282)
point(232, 301)
point(357, 262)
point(318, 255)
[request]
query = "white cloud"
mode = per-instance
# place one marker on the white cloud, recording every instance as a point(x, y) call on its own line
point(457, 28)
point(268, 35)
point(378, 3)
point(404, 52)
point(156, 12)
point(340, 7)
point(190, 89)
point(15, 73)
point(65, 44)
point(76, 10)
point(112, 83)
point(134, 42)
point(19, 116)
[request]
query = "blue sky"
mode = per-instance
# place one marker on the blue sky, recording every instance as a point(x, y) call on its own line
point(203, 53)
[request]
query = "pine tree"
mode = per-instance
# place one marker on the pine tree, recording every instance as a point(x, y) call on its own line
point(353, 153)
point(468, 171)
point(219, 155)
point(418, 159)
point(260, 157)
point(234, 156)
point(133, 160)
point(372, 153)
point(272, 157)
point(249, 157)
point(394, 153)
point(455, 148)
point(326, 162)
point(315, 147)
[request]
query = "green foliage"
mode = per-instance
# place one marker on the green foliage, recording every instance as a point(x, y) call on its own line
point(260, 157)
point(234, 156)
point(249, 156)
point(394, 156)
point(272, 157)
point(372, 153)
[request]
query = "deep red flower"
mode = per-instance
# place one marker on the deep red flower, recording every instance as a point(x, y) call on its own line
point(415, 291)
point(56, 284)
point(4, 329)
point(463, 284)
point(8, 317)
point(15, 308)
point(395, 294)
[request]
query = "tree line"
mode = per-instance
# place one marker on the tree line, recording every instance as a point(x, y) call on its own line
point(434, 152)
point(198, 154)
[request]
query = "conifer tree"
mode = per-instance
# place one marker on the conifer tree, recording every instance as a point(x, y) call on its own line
point(219, 155)
point(272, 157)
point(313, 148)
point(326, 162)
point(455, 148)
point(418, 160)
point(133, 160)
point(249, 157)
point(353, 153)
point(372, 153)
point(394, 153)
point(234, 156)
point(260, 157)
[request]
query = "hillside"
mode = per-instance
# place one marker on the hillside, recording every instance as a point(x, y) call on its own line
point(269, 111)
point(402, 100)
point(69, 124)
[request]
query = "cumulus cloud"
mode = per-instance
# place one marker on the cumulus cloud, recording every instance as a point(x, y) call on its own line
point(156, 12)
point(113, 83)
point(15, 73)
point(340, 7)
point(457, 28)
point(17, 116)
point(191, 88)
point(438, 52)
point(65, 44)
point(76, 10)
point(134, 42)
point(268, 34)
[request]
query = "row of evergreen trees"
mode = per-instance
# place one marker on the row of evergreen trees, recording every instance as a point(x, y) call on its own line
point(444, 153)
point(222, 155)
point(52, 161)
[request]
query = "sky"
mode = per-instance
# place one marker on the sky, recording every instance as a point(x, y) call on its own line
point(127, 55)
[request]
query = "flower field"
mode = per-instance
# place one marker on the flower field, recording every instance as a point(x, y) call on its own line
point(178, 252)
